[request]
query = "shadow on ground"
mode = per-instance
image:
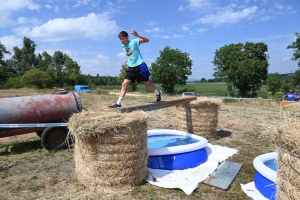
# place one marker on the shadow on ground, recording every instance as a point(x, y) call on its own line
point(20, 147)
point(223, 134)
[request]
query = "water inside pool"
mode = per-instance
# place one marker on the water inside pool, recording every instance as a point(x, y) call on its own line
point(272, 164)
point(160, 141)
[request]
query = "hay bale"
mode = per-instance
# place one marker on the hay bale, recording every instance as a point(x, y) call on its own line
point(110, 150)
point(291, 111)
point(199, 117)
point(287, 138)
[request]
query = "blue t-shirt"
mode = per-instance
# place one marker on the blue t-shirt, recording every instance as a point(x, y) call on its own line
point(133, 52)
point(291, 97)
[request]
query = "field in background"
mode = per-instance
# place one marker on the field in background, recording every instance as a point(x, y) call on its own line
point(28, 171)
point(218, 89)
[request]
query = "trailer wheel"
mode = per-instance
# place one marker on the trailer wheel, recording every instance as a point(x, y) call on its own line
point(54, 138)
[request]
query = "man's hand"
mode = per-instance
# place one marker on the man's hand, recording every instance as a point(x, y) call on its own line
point(143, 39)
point(133, 32)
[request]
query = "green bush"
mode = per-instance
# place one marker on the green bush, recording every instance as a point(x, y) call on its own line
point(69, 87)
point(15, 83)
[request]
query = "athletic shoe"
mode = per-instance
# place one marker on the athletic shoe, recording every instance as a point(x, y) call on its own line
point(158, 97)
point(115, 106)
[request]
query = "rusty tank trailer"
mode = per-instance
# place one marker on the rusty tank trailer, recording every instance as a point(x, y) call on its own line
point(47, 115)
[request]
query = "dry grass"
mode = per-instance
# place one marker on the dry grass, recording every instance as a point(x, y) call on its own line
point(287, 138)
point(28, 171)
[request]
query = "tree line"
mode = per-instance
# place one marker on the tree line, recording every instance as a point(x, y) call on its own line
point(42, 70)
point(244, 68)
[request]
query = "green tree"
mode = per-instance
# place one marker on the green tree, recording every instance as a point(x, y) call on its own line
point(71, 72)
point(24, 59)
point(36, 78)
point(296, 46)
point(58, 59)
point(4, 68)
point(121, 78)
point(203, 80)
point(274, 83)
point(171, 69)
point(243, 66)
point(44, 61)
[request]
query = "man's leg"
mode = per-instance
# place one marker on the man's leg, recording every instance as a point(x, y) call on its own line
point(125, 84)
point(152, 87)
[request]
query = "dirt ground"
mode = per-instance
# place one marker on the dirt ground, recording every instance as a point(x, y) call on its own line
point(28, 171)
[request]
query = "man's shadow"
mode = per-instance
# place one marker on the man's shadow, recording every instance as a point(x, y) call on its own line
point(223, 133)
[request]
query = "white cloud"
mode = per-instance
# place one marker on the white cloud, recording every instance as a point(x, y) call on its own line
point(48, 6)
point(280, 7)
point(286, 58)
point(100, 64)
point(8, 7)
point(153, 30)
point(10, 42)
point(92, 26)
point(177, 36)
point(121, 55)
point(150, 23)
point(161, 36)
point(227, 15)
point(265, 2)
point(24, 20)
point(200, 30)
point(185, 28)
point(196, 5)
point(81, 2)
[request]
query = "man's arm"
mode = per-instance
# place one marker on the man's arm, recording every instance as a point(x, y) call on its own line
point(143, 39)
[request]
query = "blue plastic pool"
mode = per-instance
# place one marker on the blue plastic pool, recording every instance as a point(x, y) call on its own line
point(160, 141)
point(266, 174)
point(272, 164)
point(175, 150)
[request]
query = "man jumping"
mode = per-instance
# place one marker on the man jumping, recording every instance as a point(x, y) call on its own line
point(137, 68)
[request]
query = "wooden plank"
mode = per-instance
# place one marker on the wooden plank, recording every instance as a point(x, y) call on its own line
point(224, 175)
point(157, 105)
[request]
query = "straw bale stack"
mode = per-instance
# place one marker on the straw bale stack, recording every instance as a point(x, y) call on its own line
point(291, 111)
point(199, 117)
point(287, 137)
point(110, 150)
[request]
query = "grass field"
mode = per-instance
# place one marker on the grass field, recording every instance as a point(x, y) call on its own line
point(218, 89)
point(28, 171)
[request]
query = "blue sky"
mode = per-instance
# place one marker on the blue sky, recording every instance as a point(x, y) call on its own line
point(87, 30)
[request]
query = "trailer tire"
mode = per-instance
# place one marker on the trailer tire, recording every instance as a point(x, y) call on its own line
point(54, 138)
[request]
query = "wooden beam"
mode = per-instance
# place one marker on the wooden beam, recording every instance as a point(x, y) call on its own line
point(157, 105)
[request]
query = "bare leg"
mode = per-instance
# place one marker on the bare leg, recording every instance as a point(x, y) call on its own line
point(150, 85)
point(125, 84)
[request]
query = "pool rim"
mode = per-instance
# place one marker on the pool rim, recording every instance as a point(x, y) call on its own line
point(259, 165)
point(176, 149)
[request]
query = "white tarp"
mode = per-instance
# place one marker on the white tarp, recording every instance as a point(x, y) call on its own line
point(188, 179)
point(252, 192)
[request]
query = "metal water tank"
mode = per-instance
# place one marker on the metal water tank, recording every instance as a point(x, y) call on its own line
point(39, 108)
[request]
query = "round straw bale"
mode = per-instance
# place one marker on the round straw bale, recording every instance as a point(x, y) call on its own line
point(199, 117)
point(110, 148)
point(291, 111)
point(287, 139)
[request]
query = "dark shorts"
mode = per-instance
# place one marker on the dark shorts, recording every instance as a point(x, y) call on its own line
point(133, 73)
